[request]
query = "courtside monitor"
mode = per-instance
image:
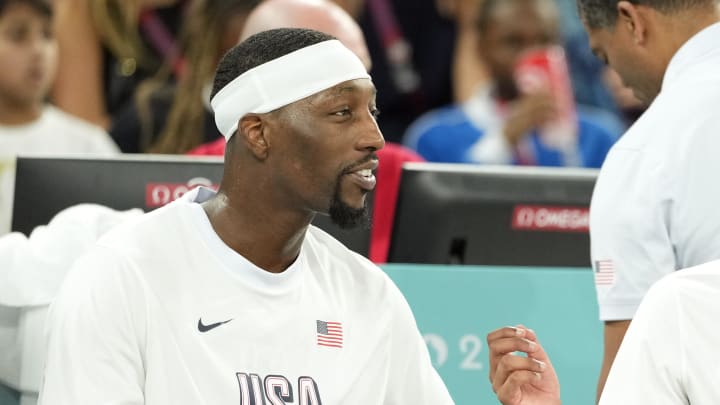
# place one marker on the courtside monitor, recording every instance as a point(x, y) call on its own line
point(470, 214)
point(45, 186)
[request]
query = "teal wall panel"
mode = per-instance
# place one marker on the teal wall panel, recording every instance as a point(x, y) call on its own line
point(456, 306)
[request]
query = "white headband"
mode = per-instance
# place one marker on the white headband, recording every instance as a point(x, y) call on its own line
point(283, 81)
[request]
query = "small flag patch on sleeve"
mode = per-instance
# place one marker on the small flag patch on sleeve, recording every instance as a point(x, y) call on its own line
point(604, 272)
point(330, 334)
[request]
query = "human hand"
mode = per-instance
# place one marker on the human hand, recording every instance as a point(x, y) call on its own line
point(519, 380)
point(528, 112)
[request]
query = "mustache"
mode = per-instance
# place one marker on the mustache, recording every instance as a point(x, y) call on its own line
point(351, 168)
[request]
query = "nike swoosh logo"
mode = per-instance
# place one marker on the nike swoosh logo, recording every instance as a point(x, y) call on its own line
point(204, 328)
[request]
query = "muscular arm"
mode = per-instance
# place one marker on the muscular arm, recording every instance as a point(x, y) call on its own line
point(614, 333)
point(78, 87)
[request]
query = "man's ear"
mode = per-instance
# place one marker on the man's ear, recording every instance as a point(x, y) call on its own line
point(633, 19)
point(251, 129)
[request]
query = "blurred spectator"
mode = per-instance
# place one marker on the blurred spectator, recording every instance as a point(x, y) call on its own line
point(586, 71)
point(411, 46)
point(321, 15)
point(498, 125)
point(28, 59)
point(327, 17)
point(107, 47)
point(468, 70)
point(173, 116)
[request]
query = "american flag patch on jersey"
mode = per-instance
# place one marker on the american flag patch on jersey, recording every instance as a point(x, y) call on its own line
point(330, 334)
point(604, 272)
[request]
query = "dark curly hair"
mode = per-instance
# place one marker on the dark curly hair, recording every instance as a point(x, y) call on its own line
point(603, 13)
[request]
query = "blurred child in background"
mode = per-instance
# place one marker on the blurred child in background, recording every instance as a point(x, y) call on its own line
point(28, 59)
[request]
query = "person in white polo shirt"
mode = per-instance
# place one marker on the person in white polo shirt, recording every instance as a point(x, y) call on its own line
point(655, 206)
point(233, 297)
point(654, 211)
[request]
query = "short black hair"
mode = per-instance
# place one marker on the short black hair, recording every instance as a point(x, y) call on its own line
point(603, 13)
point(487, 7)
point(262, 48)
point(41, 6)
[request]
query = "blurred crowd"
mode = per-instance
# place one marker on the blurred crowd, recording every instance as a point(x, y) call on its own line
point(109, 76)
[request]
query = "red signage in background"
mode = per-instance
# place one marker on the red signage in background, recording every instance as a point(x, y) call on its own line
point(159, 194)
point(551, 218)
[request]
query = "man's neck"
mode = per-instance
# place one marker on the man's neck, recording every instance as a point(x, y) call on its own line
point(679, 29)
point(19, 114)
point(269, 239)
